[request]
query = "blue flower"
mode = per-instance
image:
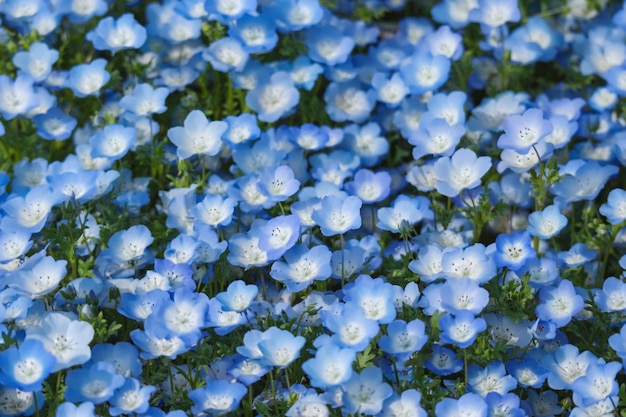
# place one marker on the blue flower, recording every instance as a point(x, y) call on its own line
point(365, 392)
point(17, 96)
point(37, 62)
point(546, 223)
point(348, 101)
point(338, 215)
point(95, 384)
point(559, 304)
point(238, 296)
point(294, 15)
point(273, 98)
point(443, 361)
point(217, 397)
point(492, 378)
point(350, 327)
point(279, 348)
point(327, 45)
point(116, 35)
point(226, 54)
point(513, 250)
point(302, 267)
point(26, 367)
point(424, 72)
point(145, 100)
point(615, 207)
point(197, 136)
point(522, 132)
point(461, 329)
point(463, 170)
point(87, 79)
point(256, 33)
point(471, 405)
point(403, 339)
point(131, 397)
point(331, 366)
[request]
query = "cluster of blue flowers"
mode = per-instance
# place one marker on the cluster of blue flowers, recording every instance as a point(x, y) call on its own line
point(312, 208)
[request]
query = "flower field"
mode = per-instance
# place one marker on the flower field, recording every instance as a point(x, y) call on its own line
point(312, 208)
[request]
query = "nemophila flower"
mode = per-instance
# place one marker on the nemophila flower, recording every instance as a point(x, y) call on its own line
point(464, 295)
point(278, 184)
point(366, 142)
point(304, 73)
point(241, 128)
point(209, 248)
point(39, 279)
point(507, 405)
point(37, 62)
point(131, 397)
point(128, 245)
point(181, 249)
point(280, 348)
point(365, 392)
point(309, 404)
point(403, 339)
point(424, 72)
point(522, 132)
point(113, 142)
point(331, 366)
point(80, 11)
point(576, 256)
point(461, 329)
point(604, 408)
point(327, 45)
point(115, 35)
point(253, 157)
point(30, 212)
point(618, 342)
point(408, 403)
point(123, 356)
point(615, 207)
point(602, 98)
point(184, 316)
point(294, 15)
point(470, 405)
point(542, 271)
point(68, 409)
point(528, 372)
point(197, 136)
point(273, 98)
point(256, 33)
point(612, 297)
point(302, 266)
point(492, 378)
point(369, 186)
point(443, 361)
point(338, 215)
point(154, 346)
point(389, 90)
point(95, 384)
point(145, 100)
point(278, 235)
point(226, 54)
point(238, 296)
point(470, 262)
point(584, 182)
point(26, 366)
point(545, 403)
point(350, 327)
point(463, 170)
point(436, 137)
point(68, 340)
point(513, 250)
point(244, 250)
point(374, 296)
point(403, 214)
point(597, 383)
point(453, 12)
point(559, 304)
point(55, 124)
point(87, 79)
point(565, 365)
point(16, 96)
point(534, 41)
point(348, 101)
point(546, 223)
point(214, 210)
point(226, 11)
point(444, 42)
point(310, 137)
point(217, 397)
point(14, 402)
